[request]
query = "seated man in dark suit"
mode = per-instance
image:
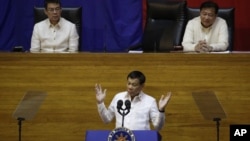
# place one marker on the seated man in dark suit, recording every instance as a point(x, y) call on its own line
point(54, 34)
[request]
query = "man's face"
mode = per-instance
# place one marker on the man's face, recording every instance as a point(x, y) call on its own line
point(134, 87)
point(207, 16)
point(53, 12)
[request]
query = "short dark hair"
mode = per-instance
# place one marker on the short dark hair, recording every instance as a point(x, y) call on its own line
point(210, 4)
point(46, 2)
point(137, 75)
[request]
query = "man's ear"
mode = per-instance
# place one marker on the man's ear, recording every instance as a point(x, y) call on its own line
point(142, 85)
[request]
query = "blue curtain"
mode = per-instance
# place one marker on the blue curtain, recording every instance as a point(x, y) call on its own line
point(7, 25)
point(107, 25)
point(123, 24)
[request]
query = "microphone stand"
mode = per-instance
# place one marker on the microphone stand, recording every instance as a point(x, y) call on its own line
point(124, 112)
point(217, 120)
point(20, 126)
point(123, 115)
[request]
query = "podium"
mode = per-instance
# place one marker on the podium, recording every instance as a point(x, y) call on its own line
point(140, 135)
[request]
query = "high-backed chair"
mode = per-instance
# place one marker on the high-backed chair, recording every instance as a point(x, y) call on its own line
point(164, 27)
point(73, 14)
point(226, 13)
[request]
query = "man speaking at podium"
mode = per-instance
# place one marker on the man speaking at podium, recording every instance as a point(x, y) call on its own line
point(143, 108)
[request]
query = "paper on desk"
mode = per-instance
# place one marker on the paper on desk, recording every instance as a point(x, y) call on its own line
point(214, 52)
point(135, 51)
point(220, 52)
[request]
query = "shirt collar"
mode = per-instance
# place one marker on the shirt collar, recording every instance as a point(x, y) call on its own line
point(204, 29)
point(58, 25)
point(139, 97)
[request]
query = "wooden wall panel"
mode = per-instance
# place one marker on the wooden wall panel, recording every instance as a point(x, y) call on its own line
point(70, 108)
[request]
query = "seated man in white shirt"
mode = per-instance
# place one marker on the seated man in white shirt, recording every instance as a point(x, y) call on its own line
point(54, 34)
point(207, 32)
point(143, 110)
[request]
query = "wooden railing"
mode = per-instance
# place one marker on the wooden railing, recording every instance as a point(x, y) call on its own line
point(70, 107)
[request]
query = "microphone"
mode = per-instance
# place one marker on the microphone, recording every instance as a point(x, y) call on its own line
point(123, 111)
point(128, 105)
point(119, 106)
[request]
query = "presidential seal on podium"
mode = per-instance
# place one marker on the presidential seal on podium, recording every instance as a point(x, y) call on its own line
point(121, 134)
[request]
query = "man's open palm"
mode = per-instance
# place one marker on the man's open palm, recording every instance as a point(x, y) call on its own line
point(100, 95)
point(164, 101)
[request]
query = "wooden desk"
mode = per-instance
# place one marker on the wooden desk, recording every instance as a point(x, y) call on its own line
point(70, 108)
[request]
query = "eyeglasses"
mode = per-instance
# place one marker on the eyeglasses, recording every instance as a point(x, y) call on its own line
point(210, 15)
point(51, 10)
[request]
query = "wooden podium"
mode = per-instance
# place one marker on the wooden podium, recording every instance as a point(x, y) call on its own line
point(140, 135)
